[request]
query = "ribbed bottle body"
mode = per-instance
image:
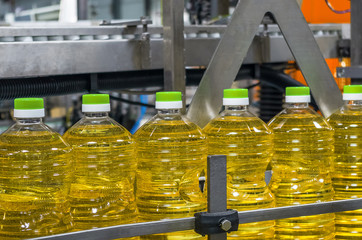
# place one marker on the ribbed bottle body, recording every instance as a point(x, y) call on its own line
point(347, 174)
point(247, 143)
point(102, 190)
point(35, 176)
point(303, 153)
point(171, 155)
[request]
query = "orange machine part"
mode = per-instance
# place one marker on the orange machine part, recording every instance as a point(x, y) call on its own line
point(333, 63)
point(317, 11)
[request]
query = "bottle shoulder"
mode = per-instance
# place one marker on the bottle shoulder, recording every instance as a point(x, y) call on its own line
point(240, 124)
point(98, 130)
point(299, 119)
point(38, 136)
point(171, 126)
point(347, 116)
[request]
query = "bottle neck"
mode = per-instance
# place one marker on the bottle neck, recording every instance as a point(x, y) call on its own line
point(236, 108)
point(29, 121)
point(297, 105)
point(96, 114)
point(169, 111)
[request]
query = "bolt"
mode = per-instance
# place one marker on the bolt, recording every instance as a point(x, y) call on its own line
point(225, 225)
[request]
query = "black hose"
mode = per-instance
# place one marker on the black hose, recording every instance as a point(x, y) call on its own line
point(131, 102)
point(131, 79)
point(273, 79)
point(81, 83)
point(40, 87)
point(271, 102)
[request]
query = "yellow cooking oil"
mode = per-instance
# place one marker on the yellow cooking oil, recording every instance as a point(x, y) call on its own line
point(247, 142)
point(102, 191)
point(35, 175)
point(301, 165)
point(171, 156)
point(347, 174)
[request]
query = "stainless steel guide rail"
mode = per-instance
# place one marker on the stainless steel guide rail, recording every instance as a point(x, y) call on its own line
point(81, 49)
point(217, 170)
point(139, 229)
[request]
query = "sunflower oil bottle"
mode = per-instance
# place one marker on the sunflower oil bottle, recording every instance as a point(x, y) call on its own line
point(102, 191)
point(347, 174)
point(171, 155)
point(301, 164)
point(35, 175)
point(247, 142)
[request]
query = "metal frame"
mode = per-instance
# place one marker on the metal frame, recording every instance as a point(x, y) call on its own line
point(216, 183)
point(233, 48)
point(80, 49)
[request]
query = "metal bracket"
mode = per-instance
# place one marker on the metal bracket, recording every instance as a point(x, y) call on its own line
point(145, 46)
point(220, 222)
point(233, 47)
point(145, 50)
point(128, 23)
point(349, 72)
point(216, 194)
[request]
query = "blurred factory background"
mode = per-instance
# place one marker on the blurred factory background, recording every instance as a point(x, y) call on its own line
point(57, 49)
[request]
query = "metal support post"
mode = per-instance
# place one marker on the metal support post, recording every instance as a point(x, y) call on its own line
point(82, 9)
point(356, 37)
point(233, 47)
point(173, 46)
point(216, 189)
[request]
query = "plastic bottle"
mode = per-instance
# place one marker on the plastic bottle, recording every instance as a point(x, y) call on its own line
point(171, 155)
point(35, 174)
point(346, 178)
point(301, 164)
point(247, 142)
point(102, 192)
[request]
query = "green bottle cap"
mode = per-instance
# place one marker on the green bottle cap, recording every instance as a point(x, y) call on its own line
point(28, 103)
point(168, 96)
point(168, 100)
point(352, 93)
point(297, 91)
point(352, 89)
point(95, 99)
point(236, 93)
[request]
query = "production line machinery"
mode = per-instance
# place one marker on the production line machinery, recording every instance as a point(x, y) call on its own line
point(47, 61)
